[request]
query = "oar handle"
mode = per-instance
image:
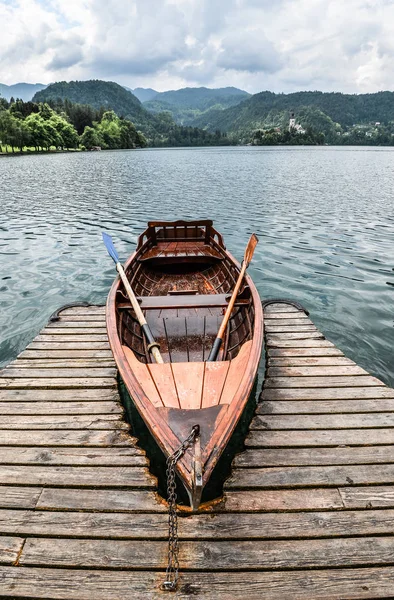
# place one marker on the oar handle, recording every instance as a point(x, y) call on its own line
point(153, 346)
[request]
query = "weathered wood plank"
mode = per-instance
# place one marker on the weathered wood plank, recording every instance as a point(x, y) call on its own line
point(289, 477)
point(298, 407)
point(83, 310)
point(299, 328)
point(60, 408)
point(281, 500)
point(124, 477)
point(80, 324)
point(326, 382)
point(83, 317)
point(19, 497)
point(59, 330)
point(10, 548)
point(210, 554)
point(315, 371)
point(53, 338)
point(330, 584)
point(331, 437)
point(65, 395)
point(69, 437)
point(65, 354)
point(281, 307)
point(71, 345)
point(336, 421)
point(104, 457)
point(349, 393)
point(307, 335)
point(49, 422)
point(100, 500)
point(57, 383)
point(57, 363)
point(368, 497)
point(286, 319)
point(330, 350)
point(315, 456)
point(31, 373)
point(280, 342)
point(310, 361)
point(219, 526)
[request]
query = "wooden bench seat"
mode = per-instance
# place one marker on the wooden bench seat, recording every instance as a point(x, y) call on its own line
point(184, 301)
point(191, 251)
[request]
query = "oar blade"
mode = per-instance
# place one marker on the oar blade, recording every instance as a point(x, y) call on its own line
point(250, 248)
point(110, 247)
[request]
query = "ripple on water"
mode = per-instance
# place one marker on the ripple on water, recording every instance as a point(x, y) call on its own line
point(324, 217)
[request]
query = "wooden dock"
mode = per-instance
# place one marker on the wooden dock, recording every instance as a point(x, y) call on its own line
point(308, 511)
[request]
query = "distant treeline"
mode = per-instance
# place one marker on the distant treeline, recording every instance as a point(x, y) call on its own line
point(40, 126)
point(63, 124)
point(273, 137)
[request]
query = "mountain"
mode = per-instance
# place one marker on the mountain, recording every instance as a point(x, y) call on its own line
point(23, 91)
point(159, 129)
point(100, 94)
point(187, 104)
point(320, 109)
point(144, 94)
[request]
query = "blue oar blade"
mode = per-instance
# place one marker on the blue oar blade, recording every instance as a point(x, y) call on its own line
point(110, 247)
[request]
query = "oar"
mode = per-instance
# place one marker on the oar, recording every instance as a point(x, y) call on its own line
point(153, 346)
point(247, 258)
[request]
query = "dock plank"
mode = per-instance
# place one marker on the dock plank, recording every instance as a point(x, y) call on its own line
point(73, 456)
point(81, 477)
point(332, 476)
point(326, 437)
point(342, 455)
point(210, 555)
point(310, 407)
point(326, 421)
point(59, 408)
point(85, 422)
point(327, 584)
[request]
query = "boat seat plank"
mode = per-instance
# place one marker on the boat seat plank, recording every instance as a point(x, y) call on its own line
point(214, 380)
point(237, 366)
point(191, 250)
point(188, 379)
point(164, 380)
point(143, 375)
point(183, 301)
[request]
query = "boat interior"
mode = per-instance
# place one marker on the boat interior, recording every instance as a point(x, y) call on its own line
point(183, 279)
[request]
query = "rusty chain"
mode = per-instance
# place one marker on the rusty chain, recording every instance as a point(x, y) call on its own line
point(172, 572)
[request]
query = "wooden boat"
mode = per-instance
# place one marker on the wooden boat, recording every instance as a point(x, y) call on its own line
point(183, 277)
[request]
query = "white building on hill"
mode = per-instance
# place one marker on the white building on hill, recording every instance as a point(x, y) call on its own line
point(294, 125)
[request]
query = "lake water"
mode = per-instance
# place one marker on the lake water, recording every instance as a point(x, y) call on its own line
point(324, 216)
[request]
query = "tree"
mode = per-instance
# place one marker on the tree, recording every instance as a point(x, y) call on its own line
point(90, 138)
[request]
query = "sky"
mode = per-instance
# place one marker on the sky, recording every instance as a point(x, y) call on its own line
point(277, 45)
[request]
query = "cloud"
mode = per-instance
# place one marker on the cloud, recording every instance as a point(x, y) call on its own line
point(249, 51)
point(283, 45)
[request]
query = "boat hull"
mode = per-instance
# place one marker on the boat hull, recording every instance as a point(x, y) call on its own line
point(174, 397)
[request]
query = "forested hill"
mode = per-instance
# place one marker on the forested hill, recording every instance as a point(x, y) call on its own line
point(97, 94)
point(187, 104)
point(158, 129)
point(268, 109)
